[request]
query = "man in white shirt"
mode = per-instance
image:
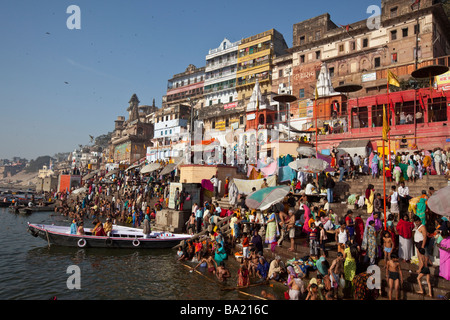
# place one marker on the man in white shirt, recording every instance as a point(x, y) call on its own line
point(403, 198)
point(215, 183)
point(309, 188)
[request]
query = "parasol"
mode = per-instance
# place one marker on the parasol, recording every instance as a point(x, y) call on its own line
point(429, 71)
point(168, 169)
point(90, 175)
point(151, 167)
point(347, 88)
point(309, 165)
point(266, 197)
point(306, 151)
point(439, 202)
point(285, 98)
point(110, 173)
point(80, 190)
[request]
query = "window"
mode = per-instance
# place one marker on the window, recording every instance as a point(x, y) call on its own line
point(213, 125)
point(365, 42)
point(302, 58)
point(280, 73)
point(353, 45)
point(341, 48)
point(394, 57)
point(241, 120)
point(416, 28)
point(301, 93)
point(394, 35)
point(405, 32)
point(317, 55)
point(317, 36)
point(360, 117)
point(331, 70)
point(394, 12)
point(230, 99)
point(437, 109)
point(404, 112)
point(227, 122)
point(302, 39)
point(377, 62)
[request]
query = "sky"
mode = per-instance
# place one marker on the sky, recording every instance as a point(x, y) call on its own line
point(58, 85)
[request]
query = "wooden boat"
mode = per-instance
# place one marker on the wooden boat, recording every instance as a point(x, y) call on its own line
point(121, 237)
point(29, 210)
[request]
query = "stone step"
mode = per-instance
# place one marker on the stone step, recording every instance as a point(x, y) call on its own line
point(409, 288)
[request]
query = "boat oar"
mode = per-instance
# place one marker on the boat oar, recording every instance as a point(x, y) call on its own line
point(198, 272)
point(250, 285)
point(252, 295)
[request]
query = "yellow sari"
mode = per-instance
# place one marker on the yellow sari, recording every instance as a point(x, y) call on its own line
point(369, 202)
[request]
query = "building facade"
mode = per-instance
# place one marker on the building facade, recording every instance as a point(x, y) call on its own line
point(220, 74)
point(186, 88)
point(255, 61)
point(131, 137)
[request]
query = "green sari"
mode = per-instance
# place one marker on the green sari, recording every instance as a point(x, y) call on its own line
point(420, 211)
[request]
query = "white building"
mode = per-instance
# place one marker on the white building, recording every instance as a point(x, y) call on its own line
point(220, 73)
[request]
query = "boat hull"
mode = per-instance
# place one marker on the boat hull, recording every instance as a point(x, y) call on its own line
point(118, 241)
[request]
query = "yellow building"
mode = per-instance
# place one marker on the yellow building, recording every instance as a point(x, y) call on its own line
point(255, 55)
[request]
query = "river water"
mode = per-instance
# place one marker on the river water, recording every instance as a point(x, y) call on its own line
point(30, 270)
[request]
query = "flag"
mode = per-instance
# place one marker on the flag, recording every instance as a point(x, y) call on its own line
point(386, 128)
point(421, 101)
point(392, 79)
point(346, 27)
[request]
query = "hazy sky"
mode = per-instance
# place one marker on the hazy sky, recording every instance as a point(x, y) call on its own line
point(123, 47)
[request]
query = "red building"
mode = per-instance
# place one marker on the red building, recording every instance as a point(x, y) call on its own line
point(418, 120)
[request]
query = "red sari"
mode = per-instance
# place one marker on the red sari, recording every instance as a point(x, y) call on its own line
point(359, 230)
point(243, 277)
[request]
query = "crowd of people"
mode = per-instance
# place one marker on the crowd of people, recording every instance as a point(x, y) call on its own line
point(411, 231)
point(400, 166)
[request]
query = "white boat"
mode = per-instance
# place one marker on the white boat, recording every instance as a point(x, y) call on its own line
point(120, 237)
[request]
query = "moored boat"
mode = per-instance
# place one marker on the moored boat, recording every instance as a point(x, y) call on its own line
point(120, 237)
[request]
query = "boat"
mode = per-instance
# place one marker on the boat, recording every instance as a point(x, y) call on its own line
point(29, 210)
point(120, 237)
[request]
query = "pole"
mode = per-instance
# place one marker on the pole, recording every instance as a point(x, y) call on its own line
point(384, 189)
point(389, 133)
point(317, 130)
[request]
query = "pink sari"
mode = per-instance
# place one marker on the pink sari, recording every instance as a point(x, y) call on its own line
point(444, 256)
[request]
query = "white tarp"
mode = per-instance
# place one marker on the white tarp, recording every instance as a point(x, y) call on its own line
point(245, 186)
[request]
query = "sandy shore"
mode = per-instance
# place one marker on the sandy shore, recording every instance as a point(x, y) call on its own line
point(20, 180)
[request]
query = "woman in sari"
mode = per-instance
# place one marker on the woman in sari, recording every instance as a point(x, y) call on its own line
point(377, 226)
point(370, 242)
point(397, 174)
point(370, 194)
point(227, 182)
point(361, 289)
point(359, 230)
point(306, 218)
point(220, 254)
point(349, 264)
point(421, 208)
point(444, 255)
point(271, 231)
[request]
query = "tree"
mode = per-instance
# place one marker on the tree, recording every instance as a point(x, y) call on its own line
point(38, 163)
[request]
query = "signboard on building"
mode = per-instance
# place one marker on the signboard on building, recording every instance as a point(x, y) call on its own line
point(369, 77)
point(220, 125)
point(230, 105)
point(443, 81)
